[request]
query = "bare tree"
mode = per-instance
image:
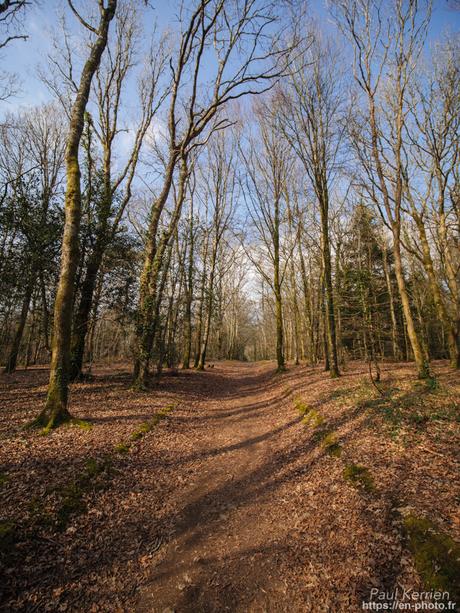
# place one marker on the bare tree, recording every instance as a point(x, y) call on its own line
point(392, 45)
point(433, 153)
point(55, 410)
point(11, 21)
point(312, 114)
point(220, 196)
point(109, 87)
point(247, 60)
point(268, 165)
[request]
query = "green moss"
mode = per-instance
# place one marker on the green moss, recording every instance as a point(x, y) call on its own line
point(334, 450)
point(122, 448)
point(139, 386)
point(313, 418)
point(432, 383)
point(301, 407)
point(94, 467)
point(167, 409)
point(147, 426)
point(436, 555)
point(3, 479)
point(331, 444)
point(359, 476)
point(53, 415)
point(81, 423)
point(136, 436)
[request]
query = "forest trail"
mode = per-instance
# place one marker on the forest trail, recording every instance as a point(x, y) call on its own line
point(225, 554)
point(233, 501)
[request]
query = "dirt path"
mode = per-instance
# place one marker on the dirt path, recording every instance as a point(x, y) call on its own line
point(223, 557)
point(232, 502)
point(269, 523)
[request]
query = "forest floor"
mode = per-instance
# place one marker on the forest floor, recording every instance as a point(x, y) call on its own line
point(233, 489)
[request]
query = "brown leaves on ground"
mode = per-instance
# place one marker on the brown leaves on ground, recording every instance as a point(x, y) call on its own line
point(233, 500)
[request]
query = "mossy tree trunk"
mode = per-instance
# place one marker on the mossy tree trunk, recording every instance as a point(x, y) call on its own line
point(55, 410)
point(150, 297)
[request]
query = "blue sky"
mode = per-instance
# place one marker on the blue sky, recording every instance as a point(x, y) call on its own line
point(42, 22)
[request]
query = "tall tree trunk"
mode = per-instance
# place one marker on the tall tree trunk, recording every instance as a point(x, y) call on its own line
point(207, 324)
point(394, 324)
point(210, 302)
point(13, 356)
point(153, 264)
point(83, 314)
point(329, 292)
point(307, 310)
point(30, 336)
point(189, 296)
point(281, 365)
point(453, 339)
point(394, 214)
point(420, 358)
point(452, 283)
point(93, 320)
point(199, 329)
point(55, 410)
point(45, 317)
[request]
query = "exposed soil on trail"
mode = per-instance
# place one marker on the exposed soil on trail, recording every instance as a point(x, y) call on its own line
point(236, 500)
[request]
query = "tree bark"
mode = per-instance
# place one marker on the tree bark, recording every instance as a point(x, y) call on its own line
point(394, 325)
point(420, 358)
point(189, 296)
point(13, 356)
point(55, 410)
point(329, 292)
point(453, 340)
point(150, 296)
